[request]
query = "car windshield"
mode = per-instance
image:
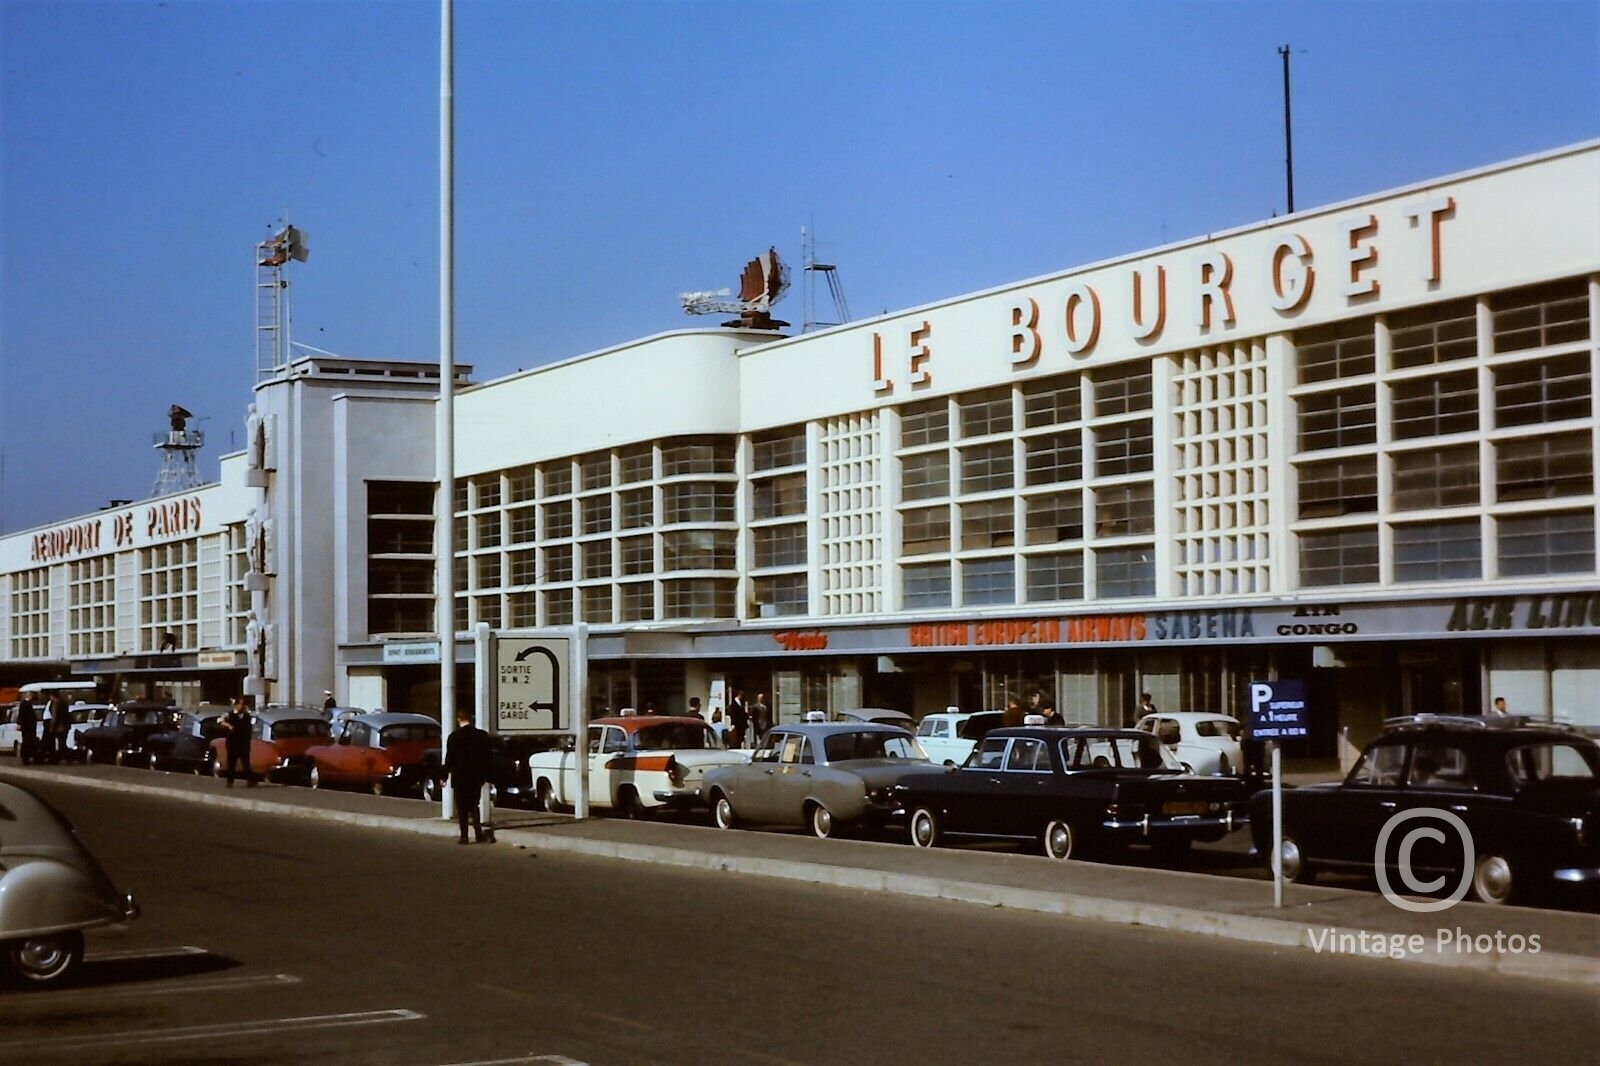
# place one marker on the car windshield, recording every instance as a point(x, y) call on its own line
point(399, 734)
point(870, 744)
point(1553, 761)
point(304, 727)
point(1217, 727)
point(976, 727)
point(151, 718)
point(675, 736)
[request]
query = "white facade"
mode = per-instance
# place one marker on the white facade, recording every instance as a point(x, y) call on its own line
point(1356, 443)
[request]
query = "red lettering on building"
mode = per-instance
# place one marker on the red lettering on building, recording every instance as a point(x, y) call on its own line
point(64, 541)
point(939, 635)
point(791, 641)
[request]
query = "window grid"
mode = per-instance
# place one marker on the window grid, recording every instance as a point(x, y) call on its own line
point(850, 516)
point(92, 599)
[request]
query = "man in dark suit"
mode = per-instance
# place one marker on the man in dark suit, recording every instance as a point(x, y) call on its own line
point(469, 760)
point(28, 726)
point(237, 745)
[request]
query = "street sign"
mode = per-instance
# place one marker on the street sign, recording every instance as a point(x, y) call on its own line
point(1277, 711)
point(531, 687)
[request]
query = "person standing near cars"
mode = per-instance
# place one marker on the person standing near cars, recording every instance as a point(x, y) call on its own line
point(237, 723)
point(760, 718)
point(28, 725)
point(60, 722)
point(469, 760)
point(738, 720)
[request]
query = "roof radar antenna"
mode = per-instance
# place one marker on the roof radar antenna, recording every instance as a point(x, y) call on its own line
point(177, 447)
point(830, 273)
point(763, 283)
point(272, 298)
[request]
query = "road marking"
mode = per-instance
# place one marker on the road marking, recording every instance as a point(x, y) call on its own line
point(179, 984)
point(207, 1032)
point(146, 953)
point(555, 1060)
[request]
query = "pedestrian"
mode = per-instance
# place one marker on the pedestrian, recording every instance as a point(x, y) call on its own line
point(694, 707)
point(469, 760)
point(237, 723)
point(738, 720)
point(328, 702)
point(719, 727)
point(760, 718)
point(1500, 706)
point(56, 733)
point(1146, 705)
point(28, 725)
point(1047, 711)
point(1013, 715)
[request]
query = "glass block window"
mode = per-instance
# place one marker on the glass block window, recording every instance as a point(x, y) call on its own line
point(687, 457)
point(522, 609)
point(558, 563)
point(636, 508)
point(1053, 401)
point(1338, 487)
point(1442, 333)
point(488, 527)
point(637, 555)
point(1433, 407)
point(92, 616)
point(1343, 418)
point(985, 581)
point(1341, 350)
point(521, 567)
point(521, 485)
point(924, 477)
point(1123, 510)
point(1121, 391)
point(637, 601)
point(557, 477)
point(557, 520)
point(987, 467)
point(1438, 551)
point(1339, 557)
point(926, 585)
point(1053, 458)
point(597, 603)
point(698, 549)
point(779, 497)
point(1054, 517)
point(30, 613)
point(596, 512)
point(925, 530)
point(636, 464)
point(558, 607)
point(1124, 572)
point(983, 413)
point(1542, 391)
point(697, 501)
point(1534, 545)
point(486, 491)
point(1054, 577)
point(778, 448)
point(698, 598)
point(487, 571)
point(1436, 477)
point(782, 594)
point(1542, 315)
point(594, 471)
point(779, 545)
point(1125, 448)
point(523, 529)
point(597, 560)
point(487, 610)
point(988, 524)
point(924, 423)
point(1542, 468)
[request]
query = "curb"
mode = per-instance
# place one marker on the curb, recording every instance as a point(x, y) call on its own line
point(1273, 932)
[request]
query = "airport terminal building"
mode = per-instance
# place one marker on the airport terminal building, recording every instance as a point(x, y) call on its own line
point(1353, 445)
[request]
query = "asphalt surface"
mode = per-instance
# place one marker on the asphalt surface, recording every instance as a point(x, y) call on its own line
point(279, 939)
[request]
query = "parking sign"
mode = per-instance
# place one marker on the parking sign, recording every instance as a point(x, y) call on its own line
point(531, 684)
point(1277, 711)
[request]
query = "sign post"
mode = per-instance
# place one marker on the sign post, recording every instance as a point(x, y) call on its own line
point(1277, 712)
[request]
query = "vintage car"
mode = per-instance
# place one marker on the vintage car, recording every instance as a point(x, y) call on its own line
point(826, 776)
point(1528, 794)
point(80, 716)
point(1205, 742)
point(949, 736)
point(637, 763)
point(883, 715)
point(122, 734)
point(512, 782)
point(1070, 791)
point(280, 736)
point(51, 890)
point(187, 747)
point(379, 751)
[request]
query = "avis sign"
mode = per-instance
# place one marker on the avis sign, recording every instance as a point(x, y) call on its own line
point(531, 684)
point(1277, 711)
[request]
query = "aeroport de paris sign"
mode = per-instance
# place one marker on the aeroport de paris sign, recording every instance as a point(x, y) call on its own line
point(531, 687)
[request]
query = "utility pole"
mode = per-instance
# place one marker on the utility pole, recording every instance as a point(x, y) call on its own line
point(1288, 131)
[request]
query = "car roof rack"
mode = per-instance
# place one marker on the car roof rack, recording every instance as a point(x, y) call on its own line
point(1425, 718)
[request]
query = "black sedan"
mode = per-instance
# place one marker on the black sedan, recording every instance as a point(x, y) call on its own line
point(512, 783)
point(188, 746)
point(1070, 791)
point(1526, 795)
point(121, 737)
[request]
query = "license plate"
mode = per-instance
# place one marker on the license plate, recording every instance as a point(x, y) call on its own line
point(1184, 807)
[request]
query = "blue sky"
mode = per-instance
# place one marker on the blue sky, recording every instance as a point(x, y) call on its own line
point(611, 155)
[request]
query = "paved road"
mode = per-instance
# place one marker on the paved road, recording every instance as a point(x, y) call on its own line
point(271, 940)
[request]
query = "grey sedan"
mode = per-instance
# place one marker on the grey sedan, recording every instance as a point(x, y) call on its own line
point(821, 775)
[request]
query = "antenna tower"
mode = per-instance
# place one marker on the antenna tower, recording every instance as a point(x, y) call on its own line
point(841, 309)
point(177, 447)
point(272, 298)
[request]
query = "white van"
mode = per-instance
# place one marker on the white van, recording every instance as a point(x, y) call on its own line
point(41, 691)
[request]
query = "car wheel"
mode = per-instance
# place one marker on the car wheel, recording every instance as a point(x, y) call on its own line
point(924, 828)
point(546, 795)
point(1293, 859)
point(121, 758)
point(1492, 880)
point(722, 812)
point(155, 761)
point(1061, 841)
point(821, 822)
point(632, 806)
point(430, 790)
point(45, 960)
point(315, 780)
point(210, 766)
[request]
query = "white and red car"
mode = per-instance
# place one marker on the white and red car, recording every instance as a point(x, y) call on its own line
point(637, 763)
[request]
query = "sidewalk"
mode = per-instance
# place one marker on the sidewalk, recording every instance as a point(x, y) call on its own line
point(1320, 919)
